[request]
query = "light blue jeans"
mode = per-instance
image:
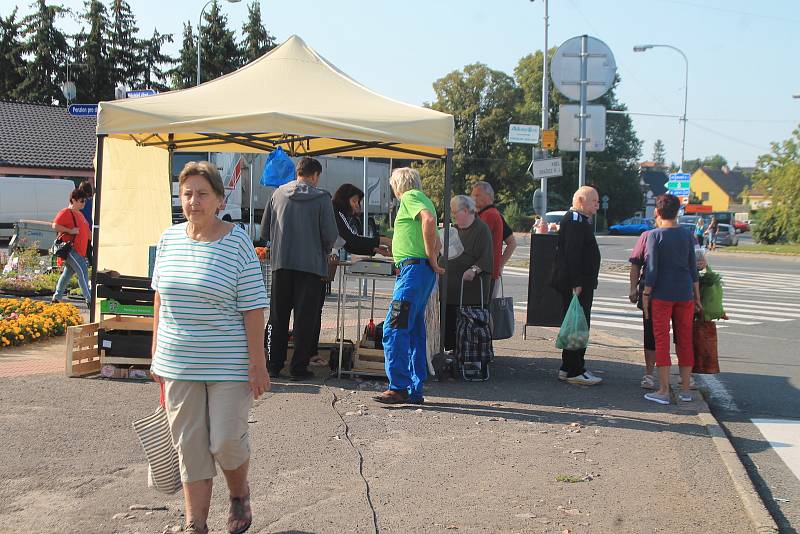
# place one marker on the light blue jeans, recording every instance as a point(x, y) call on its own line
point(74, 264)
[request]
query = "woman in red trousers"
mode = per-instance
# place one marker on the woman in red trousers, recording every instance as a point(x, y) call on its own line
point(671, 292)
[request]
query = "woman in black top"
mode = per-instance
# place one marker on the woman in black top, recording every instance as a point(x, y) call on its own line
point(347, 210)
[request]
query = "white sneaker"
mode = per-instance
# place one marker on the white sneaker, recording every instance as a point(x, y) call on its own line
point(586, 379)
point(655, 397)
point(562, 375)
point(648, 382)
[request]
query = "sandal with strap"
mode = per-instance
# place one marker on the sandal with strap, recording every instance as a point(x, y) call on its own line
point(240, 516)
point(193, 528)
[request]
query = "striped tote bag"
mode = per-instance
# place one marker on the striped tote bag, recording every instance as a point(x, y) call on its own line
point(163, 471)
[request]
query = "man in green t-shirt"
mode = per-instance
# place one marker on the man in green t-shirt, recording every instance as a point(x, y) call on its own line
point(415, 247)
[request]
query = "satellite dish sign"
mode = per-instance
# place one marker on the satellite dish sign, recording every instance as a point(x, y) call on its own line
point(601, 69)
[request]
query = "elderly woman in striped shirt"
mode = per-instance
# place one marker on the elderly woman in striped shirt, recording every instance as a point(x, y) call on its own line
point(208, 345)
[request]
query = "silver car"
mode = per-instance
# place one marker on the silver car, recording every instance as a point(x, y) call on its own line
point(726, 236)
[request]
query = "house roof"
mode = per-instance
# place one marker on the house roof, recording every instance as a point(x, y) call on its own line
point(655, 180)
point(47, 137)
point(732, 182)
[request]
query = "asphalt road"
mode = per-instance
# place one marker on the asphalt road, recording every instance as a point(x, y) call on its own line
point(756, 396)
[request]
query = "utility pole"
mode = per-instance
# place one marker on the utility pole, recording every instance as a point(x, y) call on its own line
point(545, 100)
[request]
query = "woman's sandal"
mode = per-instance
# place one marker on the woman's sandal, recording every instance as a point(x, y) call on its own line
point(240, 516)
point(193, 528)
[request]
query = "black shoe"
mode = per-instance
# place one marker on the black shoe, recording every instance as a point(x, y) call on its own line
point(274, 373)
point(301, 375)
point(416, 400)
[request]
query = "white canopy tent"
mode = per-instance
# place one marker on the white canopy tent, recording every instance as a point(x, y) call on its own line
point(291, 98)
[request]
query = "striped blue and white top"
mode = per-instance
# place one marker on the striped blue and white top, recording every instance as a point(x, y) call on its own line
point(204, 288)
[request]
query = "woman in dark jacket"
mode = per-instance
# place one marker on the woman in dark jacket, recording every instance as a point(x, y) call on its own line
point(347, 207)
point(347, 210)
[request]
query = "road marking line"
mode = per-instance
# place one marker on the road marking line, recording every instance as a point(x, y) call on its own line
point(719, 393)
point(769, 304)
point(783, 436)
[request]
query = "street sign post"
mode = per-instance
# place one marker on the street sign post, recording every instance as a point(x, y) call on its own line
point(569, 122)
point(523, 133)
point(546, 168)
point(82, 110)
point(538, 203)
point(139, 93)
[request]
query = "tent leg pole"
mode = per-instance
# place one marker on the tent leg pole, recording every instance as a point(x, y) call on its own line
point(448, 188)
point(98, 191)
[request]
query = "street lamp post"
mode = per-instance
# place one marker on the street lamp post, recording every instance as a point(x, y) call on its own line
point(643, 48)
point(200, 33)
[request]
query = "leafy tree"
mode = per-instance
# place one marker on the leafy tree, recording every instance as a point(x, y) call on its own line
point(184, 73)
point(47, 48)
point(257, 40)
point(95, 81)
point(432, 174)
point(715, 162)
point(778, 175)
point(124, 48)
point(219, 52)
point(12, 65)
point(659, 153)
point(483, 102)
point(153, 61)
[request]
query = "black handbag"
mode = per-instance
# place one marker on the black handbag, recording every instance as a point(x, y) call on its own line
point(61, 249)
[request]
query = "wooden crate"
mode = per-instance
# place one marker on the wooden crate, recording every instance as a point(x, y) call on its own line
point(82, 351)
point(370, 360)
point(125, 322)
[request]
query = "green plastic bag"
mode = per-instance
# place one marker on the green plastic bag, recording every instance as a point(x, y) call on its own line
point(574, 332)
point(711, 295)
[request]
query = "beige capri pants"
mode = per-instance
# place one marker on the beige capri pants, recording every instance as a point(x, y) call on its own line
point(208, 421)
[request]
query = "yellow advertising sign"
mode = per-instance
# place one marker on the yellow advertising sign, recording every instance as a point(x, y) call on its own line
point(548, 139)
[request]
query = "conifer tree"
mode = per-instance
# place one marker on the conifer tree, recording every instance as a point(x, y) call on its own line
point(94, 79)
point(124, 48)
point(47, 48)
point(153, 62)
point(257, 40)
point(219, 52)
point(12, 64)
point(183, 75)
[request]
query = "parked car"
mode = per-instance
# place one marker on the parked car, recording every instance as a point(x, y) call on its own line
point(726, 236)
point(553, 219)
point(741, 227)
point(632, 226)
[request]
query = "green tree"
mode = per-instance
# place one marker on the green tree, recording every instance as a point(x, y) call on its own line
point(483, 102)
point(219, 52)
point(125, 50)
point(432, 174)
point(257, 40)
point(154, 60)
point(659, 153)
point(12, 65)
point(95, 80)
point(715, 162)
point(778, 175)
point(184, 73)
point(46, 47)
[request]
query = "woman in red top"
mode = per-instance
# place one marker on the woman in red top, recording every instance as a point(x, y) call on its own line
point(73, 228)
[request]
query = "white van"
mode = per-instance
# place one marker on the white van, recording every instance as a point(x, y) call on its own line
point(36, 199)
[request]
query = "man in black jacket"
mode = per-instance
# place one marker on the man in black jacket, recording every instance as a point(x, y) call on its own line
point(577, 265)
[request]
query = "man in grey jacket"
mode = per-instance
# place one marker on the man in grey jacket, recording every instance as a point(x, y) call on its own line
point(300, 226)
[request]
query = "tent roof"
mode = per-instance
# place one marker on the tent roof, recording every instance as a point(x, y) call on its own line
point(290, 97)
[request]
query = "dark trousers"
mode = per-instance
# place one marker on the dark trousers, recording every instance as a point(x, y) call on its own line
point(573, 361)
point(298, 291)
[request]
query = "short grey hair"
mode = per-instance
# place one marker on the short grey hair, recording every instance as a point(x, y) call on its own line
point(461, 202)
point(405, 179)
point(487, 188)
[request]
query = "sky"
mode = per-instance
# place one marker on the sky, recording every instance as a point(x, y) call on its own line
point(743, 67)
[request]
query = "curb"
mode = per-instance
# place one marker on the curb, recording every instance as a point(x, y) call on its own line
point(760, 517)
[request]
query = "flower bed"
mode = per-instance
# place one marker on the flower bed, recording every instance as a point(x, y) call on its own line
point(25, 320)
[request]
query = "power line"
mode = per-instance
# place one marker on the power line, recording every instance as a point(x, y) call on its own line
point(728, 137)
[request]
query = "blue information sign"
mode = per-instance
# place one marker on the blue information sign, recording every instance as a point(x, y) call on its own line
point(83, 110)
point(679, 192)
point(139, 93)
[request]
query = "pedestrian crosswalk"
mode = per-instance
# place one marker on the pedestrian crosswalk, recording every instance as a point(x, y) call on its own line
point(751, 298)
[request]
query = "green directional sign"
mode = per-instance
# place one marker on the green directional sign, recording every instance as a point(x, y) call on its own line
point(677, 184)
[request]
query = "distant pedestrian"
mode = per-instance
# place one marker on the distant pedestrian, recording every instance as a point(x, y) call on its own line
point(577, 266)
point(672, 292)
point(711, 233)
point(483, 195)
point(699, 231)
point(415, 247)
point(299, 223)
point(73, 228)
point(208, 345)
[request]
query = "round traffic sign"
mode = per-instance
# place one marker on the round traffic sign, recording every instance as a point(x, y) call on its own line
point(565, 68)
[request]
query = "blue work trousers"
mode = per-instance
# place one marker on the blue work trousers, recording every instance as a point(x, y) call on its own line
point(404, 329)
